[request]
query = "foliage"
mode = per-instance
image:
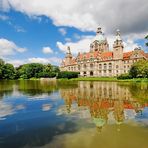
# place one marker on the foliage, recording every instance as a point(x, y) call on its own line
point(36, 70)
point(124, 76)
point(67, 74)
point(147, 39)
point(27, 71)
point(139, 69)
point(7, 71)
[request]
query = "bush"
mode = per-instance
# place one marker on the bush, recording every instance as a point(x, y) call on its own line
point(124, 76)
point(67, 74)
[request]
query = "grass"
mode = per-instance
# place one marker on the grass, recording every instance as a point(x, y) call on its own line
point(108, 79)
point(95, 79)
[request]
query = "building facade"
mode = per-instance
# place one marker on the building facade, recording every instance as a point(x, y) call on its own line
point(100, 61)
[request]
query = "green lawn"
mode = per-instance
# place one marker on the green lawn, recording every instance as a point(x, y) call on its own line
point(112, 79)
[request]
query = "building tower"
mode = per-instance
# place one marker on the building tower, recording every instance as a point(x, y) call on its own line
point(99, 42)
point(118, 46)
point(68, 57)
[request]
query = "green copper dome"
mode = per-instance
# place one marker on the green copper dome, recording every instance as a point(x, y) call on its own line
point(99, 36)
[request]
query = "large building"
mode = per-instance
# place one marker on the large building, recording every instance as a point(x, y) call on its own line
point(99, 61)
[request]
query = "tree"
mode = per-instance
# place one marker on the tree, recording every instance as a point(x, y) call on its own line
point(147, 39)
point(31, 70)
point(8, 71)
point(1, 68)
point(139, 69)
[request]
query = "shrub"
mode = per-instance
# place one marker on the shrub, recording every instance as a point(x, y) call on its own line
point(67, 74)
point(124, 76)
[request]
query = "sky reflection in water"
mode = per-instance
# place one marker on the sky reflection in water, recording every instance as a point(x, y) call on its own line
point(75, 114)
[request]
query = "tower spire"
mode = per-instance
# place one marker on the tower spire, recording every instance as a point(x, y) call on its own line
point(68, 54)
point(99, 30)
point(118, 35)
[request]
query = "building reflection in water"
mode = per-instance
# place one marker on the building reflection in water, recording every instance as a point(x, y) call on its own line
point(107, 102)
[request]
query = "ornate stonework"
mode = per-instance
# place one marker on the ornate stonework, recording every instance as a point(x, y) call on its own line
point(99, 61)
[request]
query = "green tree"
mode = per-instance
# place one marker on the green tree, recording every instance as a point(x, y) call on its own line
point(31, 70)
point(1, 68)
point(147, 40)
point(8, 71)
point(139, 69)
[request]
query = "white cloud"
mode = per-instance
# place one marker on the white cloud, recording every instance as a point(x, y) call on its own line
point(51, 60)
point(4, 17)
point(5, 110)
point(83, 45)
point(47, 50)
point(16, 27)
point(16, 62)
point(68, 39)
point(9, 48)
point(80, 46)
point(62, 31)
point(128, 15)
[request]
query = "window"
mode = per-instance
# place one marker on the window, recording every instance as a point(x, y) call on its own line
point(110, 65)
point(91, 65)
point(100, 66)
point(105, 66)
point(91, 73)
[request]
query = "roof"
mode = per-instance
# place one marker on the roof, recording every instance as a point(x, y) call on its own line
point(96, 54)
point(126, 55)
point(103, 56)
point(106, 55)
point(88, 55)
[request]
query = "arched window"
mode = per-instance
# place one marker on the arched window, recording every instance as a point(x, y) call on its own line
point(105, 66)
point(91, 73)
point(110, 65)
point(100, 66)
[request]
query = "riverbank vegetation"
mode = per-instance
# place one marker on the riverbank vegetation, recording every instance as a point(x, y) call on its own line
point(27, 71)
point(137, 70)
point(34, 71)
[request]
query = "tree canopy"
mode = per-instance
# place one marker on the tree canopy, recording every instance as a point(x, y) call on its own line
point(27, 71)
point(147, 40)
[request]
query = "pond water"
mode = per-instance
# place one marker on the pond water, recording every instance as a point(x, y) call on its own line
point(40, 114)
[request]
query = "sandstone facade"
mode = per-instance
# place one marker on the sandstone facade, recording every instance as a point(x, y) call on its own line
point(100, 61)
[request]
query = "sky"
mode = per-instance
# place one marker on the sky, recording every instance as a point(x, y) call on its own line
point(40, 30)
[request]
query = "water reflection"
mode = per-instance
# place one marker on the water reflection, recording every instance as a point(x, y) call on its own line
point(40, 114)
point(107, 102)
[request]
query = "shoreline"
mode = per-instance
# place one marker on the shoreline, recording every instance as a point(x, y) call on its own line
point(103, 79)
point(107, 79)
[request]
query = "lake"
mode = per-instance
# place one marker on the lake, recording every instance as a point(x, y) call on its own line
point(66, 114)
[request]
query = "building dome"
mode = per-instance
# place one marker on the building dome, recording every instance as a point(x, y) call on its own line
point(99, 36)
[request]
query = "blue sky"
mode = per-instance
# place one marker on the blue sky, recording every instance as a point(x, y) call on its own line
point(40, 31)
